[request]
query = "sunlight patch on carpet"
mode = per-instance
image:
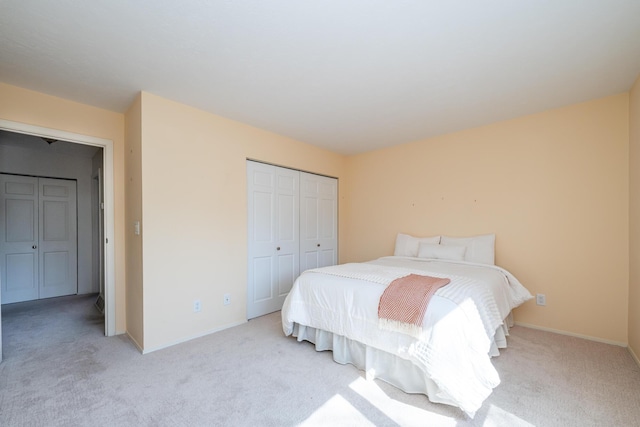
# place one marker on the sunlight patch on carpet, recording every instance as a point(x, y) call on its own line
point(498, 417)
point(399, 412)
point(337, 410)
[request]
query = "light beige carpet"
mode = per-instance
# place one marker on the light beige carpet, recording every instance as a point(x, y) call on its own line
point(59, 370)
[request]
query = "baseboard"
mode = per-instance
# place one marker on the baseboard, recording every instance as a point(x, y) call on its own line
point(571, 334)
point(634, 355)
point(136, 343)
point(193, 337)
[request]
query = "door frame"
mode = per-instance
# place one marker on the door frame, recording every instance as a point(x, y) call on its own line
point(109, 210)
point(98, 215)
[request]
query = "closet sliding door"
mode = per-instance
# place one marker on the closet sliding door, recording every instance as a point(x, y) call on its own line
point(318, 221)
point(38, 238)
point(292, 227)
point(274, 236)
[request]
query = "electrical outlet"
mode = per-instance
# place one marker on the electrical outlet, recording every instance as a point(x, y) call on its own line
point(541, 299)
point(197, 306)
point(226, 299)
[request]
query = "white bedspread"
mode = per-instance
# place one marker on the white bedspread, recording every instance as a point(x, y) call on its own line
point(459, 324)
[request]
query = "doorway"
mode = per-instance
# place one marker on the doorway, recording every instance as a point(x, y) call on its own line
point(107, 242)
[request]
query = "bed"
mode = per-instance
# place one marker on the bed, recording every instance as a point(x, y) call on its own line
point(465, 323)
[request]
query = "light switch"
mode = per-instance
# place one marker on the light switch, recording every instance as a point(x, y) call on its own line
point(136, 228)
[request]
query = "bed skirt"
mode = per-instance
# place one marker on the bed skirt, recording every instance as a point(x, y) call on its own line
point(399, 372)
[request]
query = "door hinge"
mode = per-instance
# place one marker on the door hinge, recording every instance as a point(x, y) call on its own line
point(102, 205)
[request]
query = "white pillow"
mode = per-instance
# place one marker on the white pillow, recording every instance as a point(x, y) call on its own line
point(480, 249)
point(408, 245)
point(429, 250)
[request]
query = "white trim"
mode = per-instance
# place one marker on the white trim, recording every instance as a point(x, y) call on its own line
point(192, 337)
point(109, 204)
point(634, 355)
point(571, 334)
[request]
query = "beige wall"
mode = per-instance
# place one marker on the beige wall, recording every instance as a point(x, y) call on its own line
point(133, 198)
point(556, 187)
point(634, 219)
point(194, 214)
point(553, 187)
point(37, 109)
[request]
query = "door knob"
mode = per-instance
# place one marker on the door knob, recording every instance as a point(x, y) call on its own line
point(318, 244)
point(34, 247)
point(278, 248)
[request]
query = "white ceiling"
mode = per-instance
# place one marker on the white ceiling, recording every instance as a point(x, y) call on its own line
point(347, 75)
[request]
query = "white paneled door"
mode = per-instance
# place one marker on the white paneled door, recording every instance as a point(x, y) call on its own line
point(273, 229)
point(19, 238)
point(38, 238)
point(292, 226)
point(318, 221)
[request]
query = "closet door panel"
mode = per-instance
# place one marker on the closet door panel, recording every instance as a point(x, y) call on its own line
point(273, 236)
point(319, 224)
point(262, 286)
point(18, 238)
point(327, 257)
point(261, 230)
point(287, 274)
point(288, 233)
point(20, 275)
point(58, 238)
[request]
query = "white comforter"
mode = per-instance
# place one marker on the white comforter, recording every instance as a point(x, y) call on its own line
point(458, 328)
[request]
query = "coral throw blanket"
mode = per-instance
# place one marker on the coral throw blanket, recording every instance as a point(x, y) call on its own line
point(404, 302)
